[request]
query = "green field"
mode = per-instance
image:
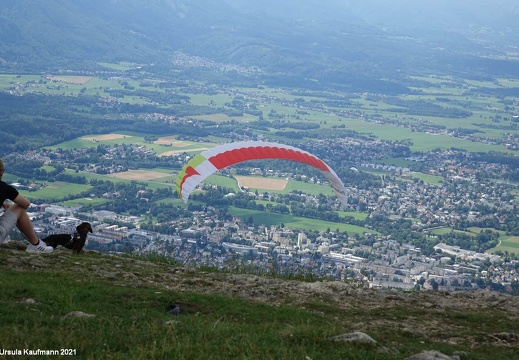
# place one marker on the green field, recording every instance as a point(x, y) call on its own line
point(223, 181)
point(55, 191)
point(427, 178)
point(52, 191)
point(516, 194)
point(508, 243)
point(355, 215)
point(83, 202)
point(295, 222)
point(447, 230)
point(309, 188)
point(477, 230)
point(173, 201)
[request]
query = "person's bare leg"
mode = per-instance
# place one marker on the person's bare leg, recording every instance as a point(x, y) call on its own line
point(24, 223)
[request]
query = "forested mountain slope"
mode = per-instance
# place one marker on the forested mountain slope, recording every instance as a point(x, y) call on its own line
point(334, 42)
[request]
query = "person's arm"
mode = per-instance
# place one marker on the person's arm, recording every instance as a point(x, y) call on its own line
point(21, 201)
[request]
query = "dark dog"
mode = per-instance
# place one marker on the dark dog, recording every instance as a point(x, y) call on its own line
point(74, 242)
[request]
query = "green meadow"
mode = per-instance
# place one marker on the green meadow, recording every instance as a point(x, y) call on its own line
point(516, 194)
point(50, 192)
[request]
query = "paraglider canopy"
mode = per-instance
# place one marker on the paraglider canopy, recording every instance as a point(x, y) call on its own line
point(222, 156)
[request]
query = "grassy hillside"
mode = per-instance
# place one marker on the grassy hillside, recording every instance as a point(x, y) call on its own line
point(115, 307)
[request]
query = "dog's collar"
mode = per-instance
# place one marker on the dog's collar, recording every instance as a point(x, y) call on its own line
point(73, 237)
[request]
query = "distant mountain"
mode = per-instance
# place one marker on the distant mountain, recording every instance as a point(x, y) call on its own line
point(96, 30)
point(428, 14)
point(336, 42)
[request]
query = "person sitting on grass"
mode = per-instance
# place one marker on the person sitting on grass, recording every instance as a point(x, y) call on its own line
point(16, 215)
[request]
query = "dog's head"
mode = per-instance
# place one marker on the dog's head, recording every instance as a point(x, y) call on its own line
point(79, 241)
point(84, 228)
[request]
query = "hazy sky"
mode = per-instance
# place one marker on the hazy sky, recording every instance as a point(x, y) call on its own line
point(415, 13)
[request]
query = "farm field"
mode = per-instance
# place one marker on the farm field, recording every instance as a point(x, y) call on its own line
point(164, 146)
point(477, 230)
point(51, 192)
point(261, 183)
point(71, 79)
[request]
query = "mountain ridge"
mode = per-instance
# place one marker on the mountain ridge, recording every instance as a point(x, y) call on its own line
point(329, 42)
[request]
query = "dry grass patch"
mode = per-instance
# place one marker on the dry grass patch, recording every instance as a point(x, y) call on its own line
point(106, 137)
point(172, 140)
point(262, 183)
point(169, 153)
point(71, 79)
point(139, 175)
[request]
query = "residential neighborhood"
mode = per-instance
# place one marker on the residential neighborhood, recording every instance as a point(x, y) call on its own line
point(233, 245)
point(427, 225)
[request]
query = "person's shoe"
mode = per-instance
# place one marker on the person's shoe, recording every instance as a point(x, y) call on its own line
point(40, 247)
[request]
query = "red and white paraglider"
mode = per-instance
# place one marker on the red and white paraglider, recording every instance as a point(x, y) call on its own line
point(222, 156)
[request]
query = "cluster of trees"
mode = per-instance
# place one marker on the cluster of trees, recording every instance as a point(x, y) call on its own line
point(481, 242)
point(281, 124)
point(422, 108)
point(33, 121)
